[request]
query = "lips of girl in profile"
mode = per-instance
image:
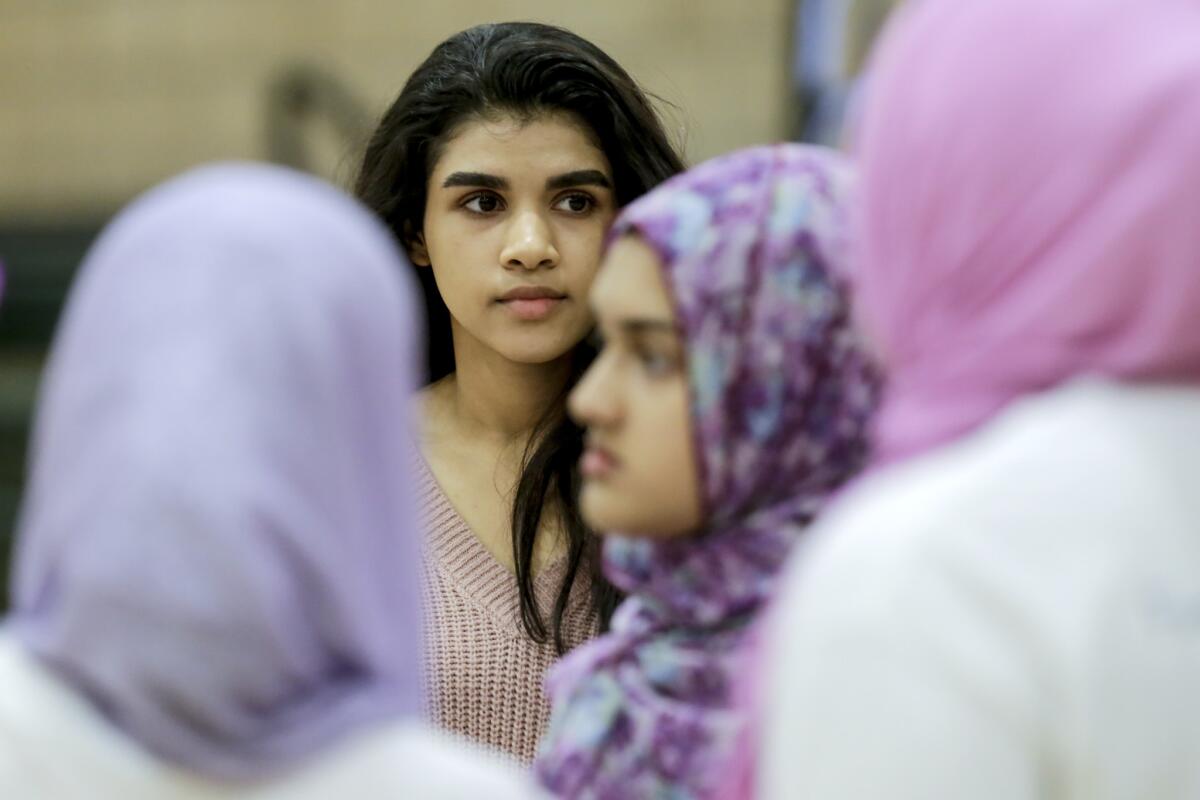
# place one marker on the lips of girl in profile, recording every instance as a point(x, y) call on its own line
point(596, 463)
point(532, 303)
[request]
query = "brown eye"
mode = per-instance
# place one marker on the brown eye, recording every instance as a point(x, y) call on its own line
point(576, 203)
point(483, 203)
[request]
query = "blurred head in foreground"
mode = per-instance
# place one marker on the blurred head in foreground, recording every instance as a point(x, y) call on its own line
point(1030, 185)
point(1006, 607)
point(217, 547)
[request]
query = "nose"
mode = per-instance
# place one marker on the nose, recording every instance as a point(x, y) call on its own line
point(529, 243)
point(594, 402)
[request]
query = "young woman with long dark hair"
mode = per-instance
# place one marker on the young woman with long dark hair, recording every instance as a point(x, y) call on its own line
point(500, 167)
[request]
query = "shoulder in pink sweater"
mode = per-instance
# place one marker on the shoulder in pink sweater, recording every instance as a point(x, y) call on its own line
point(483, 674)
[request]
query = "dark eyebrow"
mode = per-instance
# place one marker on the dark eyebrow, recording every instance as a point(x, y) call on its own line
point(637, 327)
point(475, 179)
point(580, 177)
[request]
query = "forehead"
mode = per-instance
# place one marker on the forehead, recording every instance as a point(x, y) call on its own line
point(516, 148)
point(630, 283)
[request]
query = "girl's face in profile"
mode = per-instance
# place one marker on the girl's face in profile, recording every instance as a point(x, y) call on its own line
point(639, 468)
point(514, 224)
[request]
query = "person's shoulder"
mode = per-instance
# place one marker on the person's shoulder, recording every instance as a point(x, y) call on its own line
point(453, 768)
point(15, 674)
point(403, 760)
point(1087, 468)
point(31, 693)
point(45, 723)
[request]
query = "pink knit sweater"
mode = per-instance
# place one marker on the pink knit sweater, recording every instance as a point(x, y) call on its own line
point(483, 674)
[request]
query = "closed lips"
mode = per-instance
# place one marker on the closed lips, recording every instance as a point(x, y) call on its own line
point(596, 462)
point(532, 303)
point(531, 293)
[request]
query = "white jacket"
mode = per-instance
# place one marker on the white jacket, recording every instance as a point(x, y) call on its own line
point(54, 746)
point(1016, 615)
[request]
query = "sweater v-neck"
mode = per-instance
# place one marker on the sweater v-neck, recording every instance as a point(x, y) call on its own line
point(454, 549)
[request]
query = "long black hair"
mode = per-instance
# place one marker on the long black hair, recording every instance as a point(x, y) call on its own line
point(524, 69)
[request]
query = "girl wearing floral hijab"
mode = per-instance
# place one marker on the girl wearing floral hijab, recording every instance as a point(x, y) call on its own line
point(730, 401)
point(215, 585)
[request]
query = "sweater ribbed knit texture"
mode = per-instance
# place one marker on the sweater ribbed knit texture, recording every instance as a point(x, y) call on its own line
point(483, 674)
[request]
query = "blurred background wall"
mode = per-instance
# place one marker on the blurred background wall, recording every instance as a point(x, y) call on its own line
point(101, 99)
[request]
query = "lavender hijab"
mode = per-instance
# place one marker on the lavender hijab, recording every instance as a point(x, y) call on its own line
point(781, 396)
point(218, 546)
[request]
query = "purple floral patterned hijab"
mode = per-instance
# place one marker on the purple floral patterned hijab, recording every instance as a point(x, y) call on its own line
point(782, 391)
point(217, 546)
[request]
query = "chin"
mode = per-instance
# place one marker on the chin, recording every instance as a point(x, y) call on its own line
point(601, 510)
point(541, 352)
point(607, 511)
point(593, 509)
point(539, 343)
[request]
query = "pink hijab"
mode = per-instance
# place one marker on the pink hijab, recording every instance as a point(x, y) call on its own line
point(1030, 204)
point(1028, 210)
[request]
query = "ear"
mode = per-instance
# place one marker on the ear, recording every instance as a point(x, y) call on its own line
point(418, 253)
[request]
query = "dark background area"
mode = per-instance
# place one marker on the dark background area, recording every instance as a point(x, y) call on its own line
point(39, 262)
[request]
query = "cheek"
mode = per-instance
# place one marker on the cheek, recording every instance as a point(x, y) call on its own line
point(667, 438)
point(582, 249)
point(457, 256)
point(657, 493)
point(667, 476)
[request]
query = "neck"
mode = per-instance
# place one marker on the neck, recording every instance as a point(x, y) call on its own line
point(493, 397)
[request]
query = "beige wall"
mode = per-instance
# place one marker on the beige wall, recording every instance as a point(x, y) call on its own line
point(101, 98)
